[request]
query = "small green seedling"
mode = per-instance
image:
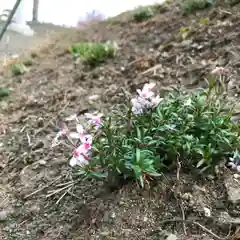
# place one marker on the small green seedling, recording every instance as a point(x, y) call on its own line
point(204, 21)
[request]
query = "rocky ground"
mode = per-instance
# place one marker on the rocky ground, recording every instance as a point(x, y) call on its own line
point(37, 200)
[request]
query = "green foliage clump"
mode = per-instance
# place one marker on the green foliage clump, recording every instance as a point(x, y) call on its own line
point(193, 128)
point(93, 53)
point(19, 69)
point(4, 92)
point(143, 13)
point(190, 6)
point(233, 2)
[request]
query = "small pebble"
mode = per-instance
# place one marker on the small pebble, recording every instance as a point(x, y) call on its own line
point(210, 177)
point(207, 212)
point(187, 196)
point(3, 215)
point(104, 234)
point(42, 162)
point(94, 97)
point(171, 237)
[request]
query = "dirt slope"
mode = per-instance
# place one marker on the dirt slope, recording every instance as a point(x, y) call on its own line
point(56, 87)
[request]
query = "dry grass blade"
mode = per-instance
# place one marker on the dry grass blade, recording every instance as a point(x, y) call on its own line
point(42, 188)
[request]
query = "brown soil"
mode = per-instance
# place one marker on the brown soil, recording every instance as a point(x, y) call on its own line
point(57, 87)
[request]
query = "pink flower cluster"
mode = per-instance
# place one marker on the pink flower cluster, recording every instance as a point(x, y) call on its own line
point(83, 146)
point(219, 70)
point(145, 100)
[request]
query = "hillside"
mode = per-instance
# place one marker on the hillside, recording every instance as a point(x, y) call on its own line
point(173, 50)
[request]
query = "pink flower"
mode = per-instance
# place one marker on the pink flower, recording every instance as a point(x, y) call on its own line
point(149, 86)
point(95, 120)
point(156, 100)
point(146, 92)
point(79, 157)
point(81, 153)
point(219, 70)
point(86, 142)
point(83, 148)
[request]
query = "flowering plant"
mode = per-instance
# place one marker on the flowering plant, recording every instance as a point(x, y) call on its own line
point(83, 141)
point(140, 140)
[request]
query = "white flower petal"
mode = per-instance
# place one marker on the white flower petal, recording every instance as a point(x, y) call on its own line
point(156, 100)
point(134, 101)
point(88, 138)
point(230, 164)
point(148, 86)
point(73, 162)
point(81, 160)
point(139, 91)
point(80, 129)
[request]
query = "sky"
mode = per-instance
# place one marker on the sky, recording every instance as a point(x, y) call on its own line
point(67, 12)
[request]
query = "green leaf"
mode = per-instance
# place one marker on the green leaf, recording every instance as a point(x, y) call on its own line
point(141, 181)
point(4, 92)
point(153, 173)
point(138, 155)
point(138, 133)
point(98, 174)
point(200, 163)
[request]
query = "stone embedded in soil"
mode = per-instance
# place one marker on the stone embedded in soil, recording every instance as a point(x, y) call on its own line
point(233, 188)
point(166, 235)
point(171, 237)
point(105, 234)
point(4, 215)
